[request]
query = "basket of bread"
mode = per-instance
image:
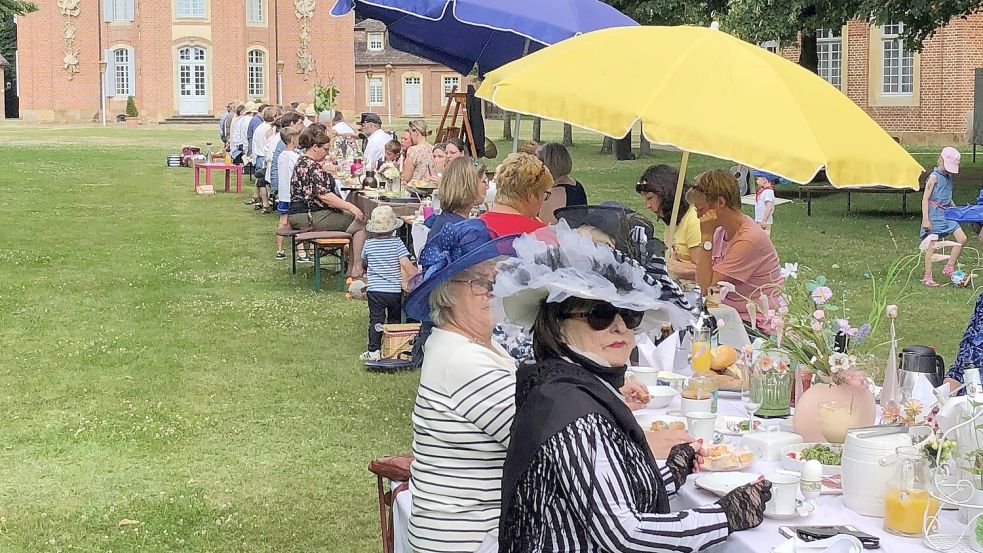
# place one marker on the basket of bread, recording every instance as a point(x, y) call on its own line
point(724, 370)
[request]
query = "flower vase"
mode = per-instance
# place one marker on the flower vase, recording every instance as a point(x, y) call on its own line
point(777, 397)
point(806, 419)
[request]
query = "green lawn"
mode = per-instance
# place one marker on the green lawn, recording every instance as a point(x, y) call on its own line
point(158, 365)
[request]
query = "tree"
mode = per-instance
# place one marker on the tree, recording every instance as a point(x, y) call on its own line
point(644, 146)
point(506, 125)
point(607, 145)
point(567, 134)
point(10, 8)
point(537, 130)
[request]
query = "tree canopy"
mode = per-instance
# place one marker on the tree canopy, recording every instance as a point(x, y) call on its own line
point(10, 8)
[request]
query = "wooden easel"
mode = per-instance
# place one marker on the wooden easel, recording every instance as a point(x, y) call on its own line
point(444, 134)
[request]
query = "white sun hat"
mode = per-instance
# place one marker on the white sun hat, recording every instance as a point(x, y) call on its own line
point(557, 263)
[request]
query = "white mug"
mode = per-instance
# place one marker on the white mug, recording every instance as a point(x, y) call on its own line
point(688, 405)
point(700, 425)
point(783, 494)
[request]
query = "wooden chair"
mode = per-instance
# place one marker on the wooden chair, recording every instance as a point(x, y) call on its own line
point(386, 470)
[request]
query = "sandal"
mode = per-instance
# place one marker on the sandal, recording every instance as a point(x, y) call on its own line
point(251, 201)
point(930, 282)
point(265, 210)
point(948, 270)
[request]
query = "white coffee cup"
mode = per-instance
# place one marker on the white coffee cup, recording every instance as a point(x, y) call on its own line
point(688, 405)
point(783, 493)
point(700, 425)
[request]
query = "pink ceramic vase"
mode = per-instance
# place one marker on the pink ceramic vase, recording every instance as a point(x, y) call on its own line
point(806, 418)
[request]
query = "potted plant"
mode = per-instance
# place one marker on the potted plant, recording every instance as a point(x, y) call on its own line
point(132, 115)
point(325, 97)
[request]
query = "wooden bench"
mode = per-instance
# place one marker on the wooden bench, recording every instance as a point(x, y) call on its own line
point(809, 189)
point(332, 243)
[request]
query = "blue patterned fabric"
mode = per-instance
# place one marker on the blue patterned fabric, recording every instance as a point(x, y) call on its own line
point(938, 202)
point(971, 347)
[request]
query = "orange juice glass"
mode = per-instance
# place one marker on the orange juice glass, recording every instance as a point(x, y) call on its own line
point(908, 500)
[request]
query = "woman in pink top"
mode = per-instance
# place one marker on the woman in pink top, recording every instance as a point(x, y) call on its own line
point(741, 252)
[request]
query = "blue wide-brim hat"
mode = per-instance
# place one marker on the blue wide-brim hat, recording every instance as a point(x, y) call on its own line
point(455, 248)
point(770, 177)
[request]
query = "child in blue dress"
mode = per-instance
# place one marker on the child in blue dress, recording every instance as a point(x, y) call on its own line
point(936, 199)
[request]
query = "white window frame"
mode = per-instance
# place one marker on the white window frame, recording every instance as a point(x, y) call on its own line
point(375, 41)
point(254, 11)
point(375, 89)
point(256, 73)
point(897, 63)
point(191, 9)
point(123, 73)
point(449, 81)
point(122, 10)
point(829, 50)
point(770, 45)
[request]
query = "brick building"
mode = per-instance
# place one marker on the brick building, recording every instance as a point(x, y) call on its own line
point(924, 97)
point(187, 57)
point(414, 86)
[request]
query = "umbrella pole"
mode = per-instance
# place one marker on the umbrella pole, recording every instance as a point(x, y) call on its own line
point(518, 116)
point(675, 205)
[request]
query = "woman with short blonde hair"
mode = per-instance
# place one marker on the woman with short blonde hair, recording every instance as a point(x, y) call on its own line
point(419, 163)
point(460, 190)
point(522, 185)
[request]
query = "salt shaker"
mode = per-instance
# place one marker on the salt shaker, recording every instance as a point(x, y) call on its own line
point(811, 480)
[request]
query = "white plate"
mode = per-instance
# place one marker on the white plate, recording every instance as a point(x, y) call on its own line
point(803, 509)
point(722, 483)
point(727, 425)
point(645, 420)
point(795, 465)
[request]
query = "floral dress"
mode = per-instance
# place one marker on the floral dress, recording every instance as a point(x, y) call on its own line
point(308, 183)
point(421, 156)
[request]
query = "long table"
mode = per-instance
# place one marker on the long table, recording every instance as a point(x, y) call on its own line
point(829, 511)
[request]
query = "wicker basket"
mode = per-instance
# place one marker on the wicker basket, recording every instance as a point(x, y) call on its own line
point(398, 339)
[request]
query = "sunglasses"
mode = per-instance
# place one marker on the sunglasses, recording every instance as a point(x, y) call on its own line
point(601, 316)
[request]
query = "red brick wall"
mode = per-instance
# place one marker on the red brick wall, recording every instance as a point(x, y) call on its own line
point(432, 77)
point(152, 36)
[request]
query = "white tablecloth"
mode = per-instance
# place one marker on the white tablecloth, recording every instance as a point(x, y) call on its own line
point(830, 509)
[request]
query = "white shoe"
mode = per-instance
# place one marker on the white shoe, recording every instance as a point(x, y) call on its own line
point(370, 356)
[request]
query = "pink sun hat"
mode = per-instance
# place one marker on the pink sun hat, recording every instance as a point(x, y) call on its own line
point(950, 159)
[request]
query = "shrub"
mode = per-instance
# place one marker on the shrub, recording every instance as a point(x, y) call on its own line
point(131, 107)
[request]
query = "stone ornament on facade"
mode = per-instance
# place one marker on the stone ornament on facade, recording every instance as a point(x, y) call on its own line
point(71, 10)
point(305, 59)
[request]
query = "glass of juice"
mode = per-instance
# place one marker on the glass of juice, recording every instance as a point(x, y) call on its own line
point(700, 354)
point(908, 502)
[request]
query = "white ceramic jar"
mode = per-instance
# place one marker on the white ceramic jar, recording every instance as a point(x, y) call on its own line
point(868, 464)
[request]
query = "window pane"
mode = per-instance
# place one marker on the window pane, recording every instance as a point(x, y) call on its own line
point(375, 91)
point(255, 73)
point(375, 41)
point(450, 83)
point(191, 8)
point(254, 11)
point(121, 61)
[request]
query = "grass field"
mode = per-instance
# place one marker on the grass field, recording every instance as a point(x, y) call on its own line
point(166, 385)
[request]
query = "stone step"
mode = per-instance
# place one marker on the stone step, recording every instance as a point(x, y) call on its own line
point(190, 120)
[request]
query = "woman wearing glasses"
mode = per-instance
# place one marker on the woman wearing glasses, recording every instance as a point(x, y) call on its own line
point(314, 200)
point(579, 474)
point(419, 163)
point(522, 185)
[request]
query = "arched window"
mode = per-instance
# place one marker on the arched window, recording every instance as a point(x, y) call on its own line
point(120, 74)
point(256, 73)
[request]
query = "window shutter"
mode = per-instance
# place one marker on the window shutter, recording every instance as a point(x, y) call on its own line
point(129, 6)
point(133, 73)
point(107, 10)
point(110, 80)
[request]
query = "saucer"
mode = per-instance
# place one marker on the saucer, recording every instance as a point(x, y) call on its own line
point(802, 510)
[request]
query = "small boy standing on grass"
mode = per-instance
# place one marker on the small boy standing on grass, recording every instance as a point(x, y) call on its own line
point(285, 169)
point(387, 260)
point(764, 199)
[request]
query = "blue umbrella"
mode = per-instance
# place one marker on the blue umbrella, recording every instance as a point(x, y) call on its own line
point(489, 33)
point(972, 213)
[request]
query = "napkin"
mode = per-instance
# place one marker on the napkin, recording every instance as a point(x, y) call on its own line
point(841, 543)
point(660, 357)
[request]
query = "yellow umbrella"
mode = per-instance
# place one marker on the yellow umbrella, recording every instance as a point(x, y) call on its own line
point(704, 91)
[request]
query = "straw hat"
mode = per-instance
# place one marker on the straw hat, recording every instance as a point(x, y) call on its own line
point(251, 107)
point(309, 111)
point(383, 220)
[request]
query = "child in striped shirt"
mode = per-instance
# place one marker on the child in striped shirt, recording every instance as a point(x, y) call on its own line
point(387, 261)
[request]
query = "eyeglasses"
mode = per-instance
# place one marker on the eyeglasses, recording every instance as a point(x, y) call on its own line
point(479, 286)
point(323, 145)
point(601, 316)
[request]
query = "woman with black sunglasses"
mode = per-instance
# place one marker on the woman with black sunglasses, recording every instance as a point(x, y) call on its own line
point(579, 474)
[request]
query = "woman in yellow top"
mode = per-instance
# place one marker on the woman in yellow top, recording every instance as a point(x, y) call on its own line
point(658, 187)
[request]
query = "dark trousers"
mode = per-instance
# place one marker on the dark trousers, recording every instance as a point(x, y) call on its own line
point(384, 307)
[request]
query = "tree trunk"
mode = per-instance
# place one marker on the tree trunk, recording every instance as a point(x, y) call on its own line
point(507, 125)
point(644, 146)
point(537, 130)
point(607, 146)
point(809, 54)
point(567, 134)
